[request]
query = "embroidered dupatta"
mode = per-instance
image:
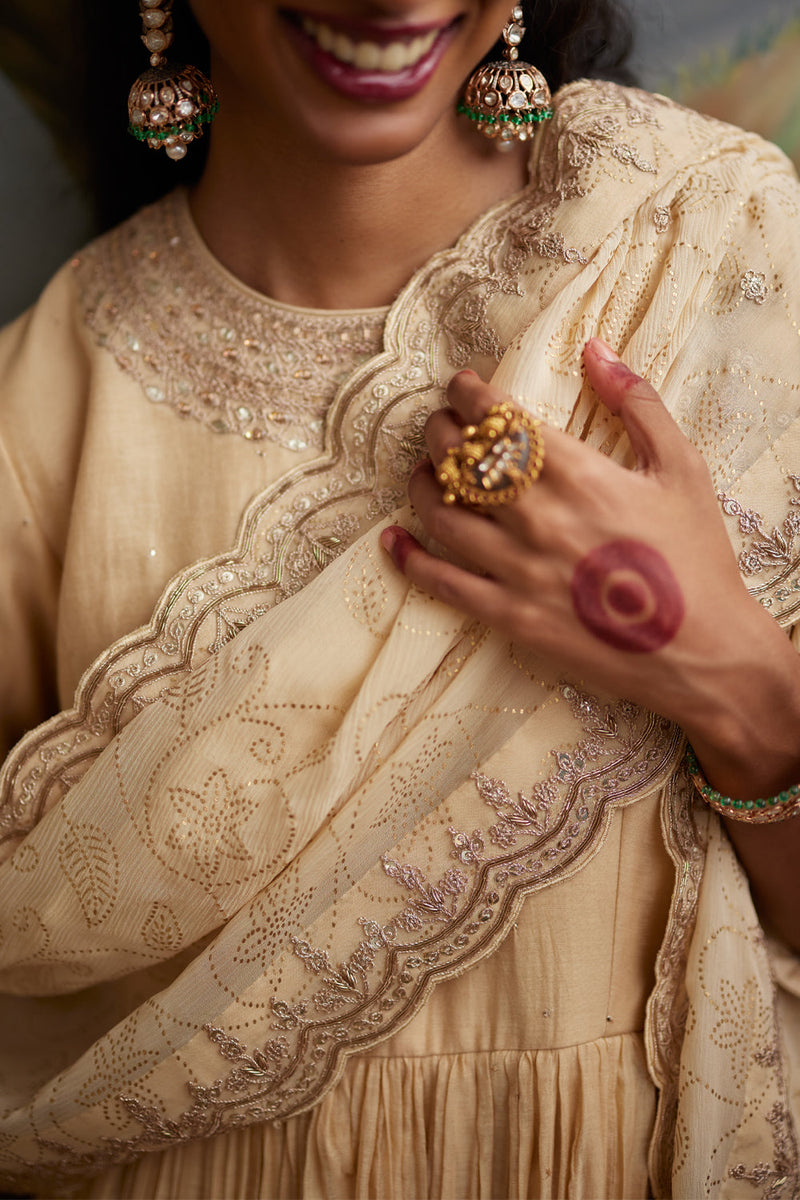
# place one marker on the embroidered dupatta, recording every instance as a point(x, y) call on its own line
point(266, 829)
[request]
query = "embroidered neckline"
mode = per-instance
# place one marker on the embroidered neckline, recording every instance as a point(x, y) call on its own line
point(207, 345)
point(200, 341)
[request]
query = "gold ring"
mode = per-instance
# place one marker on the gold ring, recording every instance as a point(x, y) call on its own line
point(497, 460)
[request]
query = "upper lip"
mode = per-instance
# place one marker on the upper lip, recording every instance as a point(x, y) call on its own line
point(380, 30)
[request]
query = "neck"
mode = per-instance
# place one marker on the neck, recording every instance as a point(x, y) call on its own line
point(327, 234)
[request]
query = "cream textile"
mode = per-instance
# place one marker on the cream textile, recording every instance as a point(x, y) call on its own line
point(313, 877)
point(494, 1120)
point(452, 1104)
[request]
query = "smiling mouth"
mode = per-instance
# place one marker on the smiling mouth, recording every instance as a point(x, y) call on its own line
point(370, 60)
point(368, 55)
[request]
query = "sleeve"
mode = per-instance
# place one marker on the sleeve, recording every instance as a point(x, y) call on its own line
point(43, 385)
point(28, 603)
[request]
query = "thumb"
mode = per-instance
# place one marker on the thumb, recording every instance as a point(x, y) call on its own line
point(653, 434)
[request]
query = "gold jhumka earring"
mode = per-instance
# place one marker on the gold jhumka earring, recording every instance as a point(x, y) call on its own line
point(507, 99)
point(168, 106)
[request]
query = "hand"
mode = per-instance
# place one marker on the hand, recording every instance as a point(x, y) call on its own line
point(624, 579)
point(627, 582)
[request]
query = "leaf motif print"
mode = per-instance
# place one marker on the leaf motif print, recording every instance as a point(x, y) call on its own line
point(365, 591)
point(25, 859)
point(89, 861)
point(161, 930)
point(124, 1052)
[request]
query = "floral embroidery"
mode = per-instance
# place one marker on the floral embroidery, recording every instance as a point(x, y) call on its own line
point(662, 218)
point(779, 1178)
point(754, 286)
point(630, 155)
point(776, 551)
point(740, 1020)
point(437, 925)
point(525, 815)
point(209, 348)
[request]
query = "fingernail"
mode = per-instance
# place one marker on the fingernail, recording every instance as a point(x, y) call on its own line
point(621, 370)
point(466, 371)
point(397, 542)
point(602, 350)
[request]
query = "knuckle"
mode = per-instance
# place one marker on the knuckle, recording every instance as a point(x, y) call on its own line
point(443, 523)
point(524, 578)
point(468, 386)
point(695, 464)
point(640, 391)
point(438, 423)
point(592, 480)
point(523, 619)
point(527, 521)
point(560, 530)
point(448, 591)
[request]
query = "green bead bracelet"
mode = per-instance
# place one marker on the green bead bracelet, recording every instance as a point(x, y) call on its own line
point(763, 811)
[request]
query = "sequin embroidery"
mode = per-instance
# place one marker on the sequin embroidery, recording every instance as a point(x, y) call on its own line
point(206, 346)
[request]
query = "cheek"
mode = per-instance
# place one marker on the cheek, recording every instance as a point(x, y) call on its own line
point(243, 36)
point(625, 593)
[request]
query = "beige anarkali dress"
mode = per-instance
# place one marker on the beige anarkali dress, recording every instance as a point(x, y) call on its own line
point(525, 1077)
point(342, 895)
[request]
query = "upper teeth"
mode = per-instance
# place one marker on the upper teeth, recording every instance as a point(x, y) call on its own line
point(368, 56)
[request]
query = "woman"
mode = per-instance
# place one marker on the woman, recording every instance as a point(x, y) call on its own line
point(406, 876)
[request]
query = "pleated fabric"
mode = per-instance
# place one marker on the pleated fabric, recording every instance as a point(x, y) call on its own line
point(551, 1123)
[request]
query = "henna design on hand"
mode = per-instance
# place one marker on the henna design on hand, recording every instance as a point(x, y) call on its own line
point(626, 594)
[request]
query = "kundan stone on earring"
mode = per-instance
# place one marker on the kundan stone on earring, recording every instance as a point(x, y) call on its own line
point(168, 105)
point(507, 99)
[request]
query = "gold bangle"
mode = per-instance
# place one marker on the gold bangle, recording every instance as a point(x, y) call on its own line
point(765, 810)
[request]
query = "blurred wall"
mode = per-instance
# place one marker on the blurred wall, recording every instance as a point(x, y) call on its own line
point(730, 58)
point(43, 216)
point(681, 37)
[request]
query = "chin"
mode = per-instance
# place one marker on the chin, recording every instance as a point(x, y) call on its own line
point(371, 139)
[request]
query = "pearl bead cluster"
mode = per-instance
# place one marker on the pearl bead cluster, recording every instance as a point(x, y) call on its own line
point(157, 21)
point(168, 106)
point(513, 34)
point(507, 99)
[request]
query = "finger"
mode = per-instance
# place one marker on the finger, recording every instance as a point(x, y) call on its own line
point(486, 545)
point(443, 432)
point(565, 459)
point(483, 599)
point(471, 398)
point(654, 436)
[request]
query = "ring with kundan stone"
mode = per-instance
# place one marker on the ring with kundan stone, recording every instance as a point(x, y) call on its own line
point(497, 460)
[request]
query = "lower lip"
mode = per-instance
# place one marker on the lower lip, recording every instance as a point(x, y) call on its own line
point(376, 86)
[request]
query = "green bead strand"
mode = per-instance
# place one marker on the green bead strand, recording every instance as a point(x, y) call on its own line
point(749, 809)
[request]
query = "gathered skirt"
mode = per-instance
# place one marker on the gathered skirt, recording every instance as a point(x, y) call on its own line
point(524, 1077)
